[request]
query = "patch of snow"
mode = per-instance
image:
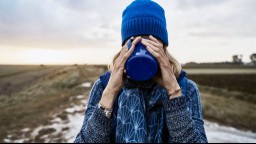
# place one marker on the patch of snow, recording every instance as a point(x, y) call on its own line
point(223, 134)
point(7, 141)
point(80, 97)
point(74, 125)
point(57, 120)
point(70, 110)
point(15, 141)
point(25, 130)
point(75, 109)
point(86, 84)
point(84, 102)
point(36, 131)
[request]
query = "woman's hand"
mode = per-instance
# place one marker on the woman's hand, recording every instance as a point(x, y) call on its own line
point(116, 80)
point(168, 79)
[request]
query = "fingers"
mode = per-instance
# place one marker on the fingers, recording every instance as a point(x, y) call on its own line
point(137, 39)
point(161, 58)
point(152, 42)
point(154, 53)
point(128, 54)
point(152, 45)
point(156, 49)
point(125, 47)
point(153, 39)
point(157, 52)
point(125, 53)
point(123, 50)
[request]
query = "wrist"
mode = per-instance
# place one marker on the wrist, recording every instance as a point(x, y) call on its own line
point(107, 111)
point(111, 90)
point(108, 98)
point(176, 94)
point(174, 91)
point(173, 87)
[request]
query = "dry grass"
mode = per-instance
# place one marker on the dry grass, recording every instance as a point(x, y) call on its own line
point(38, 101)
point(240, 83)
point(228, 111)
point(229, 99)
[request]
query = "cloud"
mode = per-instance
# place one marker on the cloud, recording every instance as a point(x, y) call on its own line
point(96, 23)
point(188, 4)
point(58, 24)
point(227, 19)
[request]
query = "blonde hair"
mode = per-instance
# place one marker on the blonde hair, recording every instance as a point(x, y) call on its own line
point(176, 65)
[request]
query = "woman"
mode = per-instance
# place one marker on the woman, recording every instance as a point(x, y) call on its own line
point(166, 108)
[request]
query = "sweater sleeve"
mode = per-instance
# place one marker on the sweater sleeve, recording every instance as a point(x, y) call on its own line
point(184, 117)
point(96, 127)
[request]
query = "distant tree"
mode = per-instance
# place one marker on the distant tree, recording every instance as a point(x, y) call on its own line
point(253, 58)
point(237, 59)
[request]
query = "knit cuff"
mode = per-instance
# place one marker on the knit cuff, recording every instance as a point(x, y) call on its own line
point(98, 129)
point(101, 118)
point(178, 115)
point(175, 105)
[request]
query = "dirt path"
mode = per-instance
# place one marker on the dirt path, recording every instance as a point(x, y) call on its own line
point(17, 81)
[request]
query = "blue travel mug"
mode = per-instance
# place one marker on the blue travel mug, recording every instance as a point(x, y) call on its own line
point(141, 65)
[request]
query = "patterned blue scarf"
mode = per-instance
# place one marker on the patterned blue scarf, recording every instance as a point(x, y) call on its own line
point(138, 112)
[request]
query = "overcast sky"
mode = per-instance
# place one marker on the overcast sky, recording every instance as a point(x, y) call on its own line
point(88, 31)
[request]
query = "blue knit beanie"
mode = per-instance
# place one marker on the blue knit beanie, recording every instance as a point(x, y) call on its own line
point(144, 17)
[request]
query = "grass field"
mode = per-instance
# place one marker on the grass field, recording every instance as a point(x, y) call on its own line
point(39, 95)
point(240, 86)
point(31, 95)
point(229, 111)
point(228, 99)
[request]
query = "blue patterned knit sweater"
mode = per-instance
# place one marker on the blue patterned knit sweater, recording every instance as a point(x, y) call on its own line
point(184, 121)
